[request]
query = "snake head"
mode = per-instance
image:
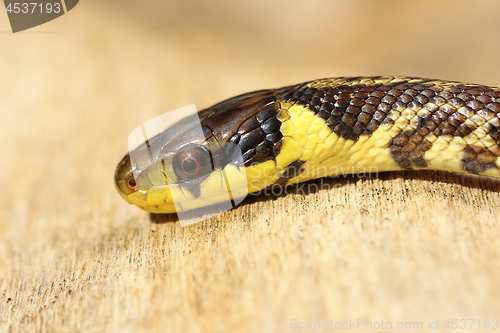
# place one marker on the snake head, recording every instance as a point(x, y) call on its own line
point(202, 159)
point(166, 168)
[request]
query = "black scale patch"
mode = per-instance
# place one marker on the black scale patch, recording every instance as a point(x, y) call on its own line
point(349, 110)
point(249, 122)
point(259, 136)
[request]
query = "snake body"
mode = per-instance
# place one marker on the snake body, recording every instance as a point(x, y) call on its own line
point(319, 128)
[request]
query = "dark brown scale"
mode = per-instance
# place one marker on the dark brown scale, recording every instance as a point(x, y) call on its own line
point(319, 94)
point(341, 104)
point(268, 111)
point(372, 101)
point(421, 99)
point(252, 139)
point(428, 93)
point(274, 137)
point(349, 119)
point(405, 98)
point(369, 111)
point(248, 155)
point(414, 105)
point(361, 95)
point(264, 148)
point(271, 125)
point(329, 99)
point(355, 110)
point(378, 94)
point(464, 96)
point(474, 91)
point(478, 159)
point(494, 94)
point(408, 149)
point(484, 99)
point(494, 107)
point(249, 125)
point(367, 89)
point(446, 94)
point(357, 102)
point(456, 102)
point(395, 92)
point(364, 118)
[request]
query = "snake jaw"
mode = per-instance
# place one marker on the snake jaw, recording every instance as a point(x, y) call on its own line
point(118, 187)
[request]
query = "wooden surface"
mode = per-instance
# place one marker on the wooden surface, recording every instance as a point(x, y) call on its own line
point(397, 247)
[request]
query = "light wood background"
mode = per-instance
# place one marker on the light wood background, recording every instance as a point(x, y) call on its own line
point(397, 247)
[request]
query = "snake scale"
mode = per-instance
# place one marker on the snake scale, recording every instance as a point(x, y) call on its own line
point(319, 128)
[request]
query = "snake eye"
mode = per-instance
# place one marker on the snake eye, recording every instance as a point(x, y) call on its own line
point(192, 163)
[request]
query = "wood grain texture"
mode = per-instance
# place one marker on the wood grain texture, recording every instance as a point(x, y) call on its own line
point(397, 247)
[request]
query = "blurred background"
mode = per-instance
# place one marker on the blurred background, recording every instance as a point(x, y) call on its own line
point(90, 77)
point(73, 89)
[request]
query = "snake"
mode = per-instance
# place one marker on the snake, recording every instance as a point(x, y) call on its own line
point(320, 128)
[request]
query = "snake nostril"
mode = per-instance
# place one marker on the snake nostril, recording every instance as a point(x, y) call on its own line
point(131, 184)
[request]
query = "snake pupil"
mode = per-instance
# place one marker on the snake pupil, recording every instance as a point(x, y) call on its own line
point(189, 166)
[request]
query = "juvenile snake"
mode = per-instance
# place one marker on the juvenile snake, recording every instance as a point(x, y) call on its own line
point(316, 129)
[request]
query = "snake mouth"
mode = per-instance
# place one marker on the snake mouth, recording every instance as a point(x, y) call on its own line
point(224, 188)
point(159, 188)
